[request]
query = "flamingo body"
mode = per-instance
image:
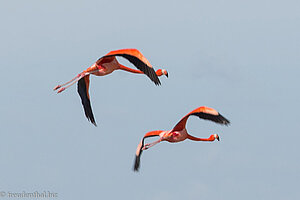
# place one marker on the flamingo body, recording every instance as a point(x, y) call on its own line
point(175, 136)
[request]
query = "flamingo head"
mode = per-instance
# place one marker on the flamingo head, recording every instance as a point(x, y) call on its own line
point(216, 136)
point(162, 72)
point(165, 72)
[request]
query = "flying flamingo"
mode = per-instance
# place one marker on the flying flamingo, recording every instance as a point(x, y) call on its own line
point(179, 132)
point(106, 65)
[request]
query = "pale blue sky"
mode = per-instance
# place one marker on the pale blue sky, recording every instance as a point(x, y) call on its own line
point(241, 58)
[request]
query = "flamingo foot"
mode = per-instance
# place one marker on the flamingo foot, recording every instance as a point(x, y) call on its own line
point(57, 87)
point(61, 89)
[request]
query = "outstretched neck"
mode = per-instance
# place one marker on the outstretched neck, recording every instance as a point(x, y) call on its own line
point(122, 67)
point(210, 139)
point(158, 72)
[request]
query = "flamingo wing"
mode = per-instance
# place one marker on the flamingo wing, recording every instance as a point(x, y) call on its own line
point(83, 90)
point(203, 113)
point(137, 59)
point(139, 150)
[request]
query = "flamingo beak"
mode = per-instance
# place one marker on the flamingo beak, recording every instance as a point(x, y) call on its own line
point(218, 138)
point(167, 75)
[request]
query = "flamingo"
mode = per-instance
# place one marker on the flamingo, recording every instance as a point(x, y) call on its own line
point(179, 132)
point(106, 65)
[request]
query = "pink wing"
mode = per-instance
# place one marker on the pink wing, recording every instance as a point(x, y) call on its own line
point(203, 113)
point(137, 59)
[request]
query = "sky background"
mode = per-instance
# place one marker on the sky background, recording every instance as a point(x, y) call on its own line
point(239, 57)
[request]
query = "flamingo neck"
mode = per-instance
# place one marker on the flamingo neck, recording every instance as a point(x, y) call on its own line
point(210, 139)
point(122, 67)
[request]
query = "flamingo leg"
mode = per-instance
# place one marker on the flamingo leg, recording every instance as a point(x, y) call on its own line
point(63, 88)
point(72, 81)
point(59, 86)
point(69, 83)
point(147, 146)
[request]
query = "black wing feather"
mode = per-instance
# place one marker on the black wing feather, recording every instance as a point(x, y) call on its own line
point(215, 118)
point(82, 90)
point(149, 71)
point(138, 158)
point(137, 162)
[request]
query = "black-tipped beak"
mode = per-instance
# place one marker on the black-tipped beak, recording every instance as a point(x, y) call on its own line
point(218, 138)
point(167, 75)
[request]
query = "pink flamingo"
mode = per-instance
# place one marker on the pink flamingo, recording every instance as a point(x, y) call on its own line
point(106, 65)
point(179, 132)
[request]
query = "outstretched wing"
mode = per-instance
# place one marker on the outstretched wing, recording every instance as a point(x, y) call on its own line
point(137, 59)
point(83, 90)
point(203, 113)
point(139, 150)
